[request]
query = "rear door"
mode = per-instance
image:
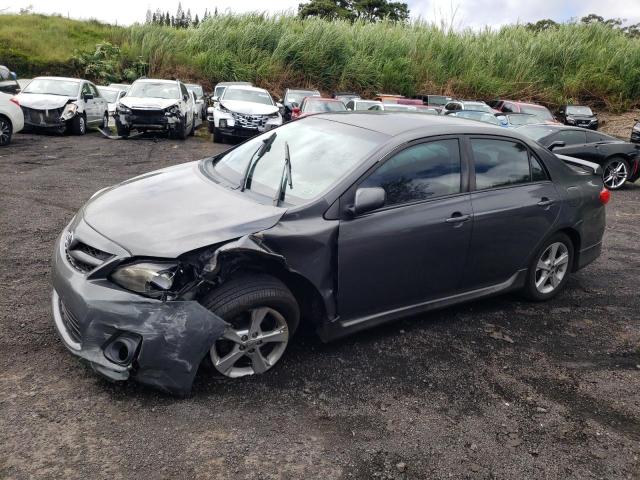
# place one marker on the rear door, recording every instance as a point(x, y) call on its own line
point(515, 205)
point(414, 248)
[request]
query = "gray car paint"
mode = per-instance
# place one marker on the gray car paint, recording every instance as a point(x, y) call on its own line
point(354, 272)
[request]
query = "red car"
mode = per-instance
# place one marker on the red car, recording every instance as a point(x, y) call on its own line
point(311, 105)
point(509, 106)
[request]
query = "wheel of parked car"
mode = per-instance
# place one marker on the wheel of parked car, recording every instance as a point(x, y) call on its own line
point(263, 315)
point(550, 268)
point(6, 130)
point(105, 121)
point(192, 132)
point(615, 173)
point(217, 136)
point(123, 131)
point(79, 125)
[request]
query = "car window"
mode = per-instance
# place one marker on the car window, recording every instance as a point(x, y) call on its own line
point(421, 172)
point(571, 137)
point(538, 173)
point(85, 89)
point(452, 106)
point(94, 90)
point(598, 137)
point(507, 107)
point(499, 163)
point(184, 91)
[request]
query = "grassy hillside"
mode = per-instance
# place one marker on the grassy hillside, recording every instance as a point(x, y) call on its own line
point(589, 63)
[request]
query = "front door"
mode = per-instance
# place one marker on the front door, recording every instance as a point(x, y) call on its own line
point(414, 248)
point(514, 208)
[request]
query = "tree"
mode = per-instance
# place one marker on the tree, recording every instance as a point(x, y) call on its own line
point(188, 19)
point(149, 17)
point(541, 25)
point(179, 16)
point(196, 21)
point(368, 10)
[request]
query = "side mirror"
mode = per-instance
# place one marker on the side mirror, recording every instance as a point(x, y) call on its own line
point(368, 199)
point(557, 144)
point(185, 98)
point(88, 96)
point(215, 98)
point(279, 105)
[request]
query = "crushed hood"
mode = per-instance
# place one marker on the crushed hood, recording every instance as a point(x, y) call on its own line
point(145, 102)
point(42, 101)
point(172, 211)
point(248, 108)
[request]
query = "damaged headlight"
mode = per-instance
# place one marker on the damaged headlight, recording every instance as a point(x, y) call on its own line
point(173, 110)
point(69, 111)
point(274, 115)
point(148, 278)
point(122, 110)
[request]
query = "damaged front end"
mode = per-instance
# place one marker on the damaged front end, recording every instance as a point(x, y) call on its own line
point(52, 118)
point(169, 119)
point(158, 337)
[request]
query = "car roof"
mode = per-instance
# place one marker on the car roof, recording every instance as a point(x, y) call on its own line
point(155, 80)
point(400, 122)
point(245, 87)
point(322, 99)
point(115, 89)
point(61, 78)
point(227, 84)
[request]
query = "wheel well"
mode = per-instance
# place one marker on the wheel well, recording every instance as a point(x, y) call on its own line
point(310, 302)
point(7, 119)
point(576, 241)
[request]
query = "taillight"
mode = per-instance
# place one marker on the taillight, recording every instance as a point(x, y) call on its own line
point(14, 100)
point(605, 196)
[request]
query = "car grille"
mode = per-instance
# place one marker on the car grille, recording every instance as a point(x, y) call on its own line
point(85, 258)
point(249, 121)
point(70, 322)
point(42, 117)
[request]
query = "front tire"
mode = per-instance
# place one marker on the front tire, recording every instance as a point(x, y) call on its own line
point(105, 121)
point(550, 268)
point(6, 131)
point(217, 136)
point(615, 173)
point(123, 131)
point(79, 125)
point(263, 315)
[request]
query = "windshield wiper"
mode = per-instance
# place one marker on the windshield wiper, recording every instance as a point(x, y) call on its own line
point(251, 166)
point(285, 178)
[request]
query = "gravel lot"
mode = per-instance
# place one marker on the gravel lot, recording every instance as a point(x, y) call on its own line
point(499, 388)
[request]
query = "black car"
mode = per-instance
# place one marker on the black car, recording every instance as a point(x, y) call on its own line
point(293, 98)
point(619, 159)
point(578, 116)
point(339, 221)
point(635, 132)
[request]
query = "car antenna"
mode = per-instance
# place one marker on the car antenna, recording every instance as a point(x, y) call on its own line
point(251, 166)
point(285, 178)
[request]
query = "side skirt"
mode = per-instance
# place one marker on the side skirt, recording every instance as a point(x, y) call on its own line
point(341, 328)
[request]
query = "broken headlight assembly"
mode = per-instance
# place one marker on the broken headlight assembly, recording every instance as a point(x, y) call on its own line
point(122, 110)
point(173, 110)
point(151, 278)
point(69, 111)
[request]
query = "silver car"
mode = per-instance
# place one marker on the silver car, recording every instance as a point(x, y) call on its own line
point(62, 104)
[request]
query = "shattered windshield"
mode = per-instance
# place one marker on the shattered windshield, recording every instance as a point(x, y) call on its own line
point(50, 86)
point(168, 91)
point(322, 152)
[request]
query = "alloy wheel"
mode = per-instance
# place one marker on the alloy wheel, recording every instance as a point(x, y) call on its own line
point(615, 174)
point(83, 126)
point(552, 267)
point(252, 344)
point(5, 132)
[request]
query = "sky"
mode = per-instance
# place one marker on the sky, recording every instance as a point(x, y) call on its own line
point(460, 14)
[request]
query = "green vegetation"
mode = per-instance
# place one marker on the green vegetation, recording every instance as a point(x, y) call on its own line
point(592, 63)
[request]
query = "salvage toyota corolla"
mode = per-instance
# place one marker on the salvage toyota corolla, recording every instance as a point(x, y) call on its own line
point(341, 221)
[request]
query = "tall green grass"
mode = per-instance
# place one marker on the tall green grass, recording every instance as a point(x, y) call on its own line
point(583, 63)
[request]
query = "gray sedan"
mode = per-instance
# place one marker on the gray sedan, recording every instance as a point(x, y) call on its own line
point(342, 221)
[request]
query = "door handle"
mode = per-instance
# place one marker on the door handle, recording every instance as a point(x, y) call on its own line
point(545, 202)
point(457, 217)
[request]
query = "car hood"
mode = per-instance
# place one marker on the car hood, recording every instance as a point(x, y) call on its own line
point(145, 102)
point(175, 210)
point(581, 117)
point(42, 101)
point(248, 108)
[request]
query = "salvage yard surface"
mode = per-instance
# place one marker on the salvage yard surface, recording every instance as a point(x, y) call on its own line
point(499, 388)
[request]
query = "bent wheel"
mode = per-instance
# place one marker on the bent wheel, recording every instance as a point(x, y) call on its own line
point(262, 314)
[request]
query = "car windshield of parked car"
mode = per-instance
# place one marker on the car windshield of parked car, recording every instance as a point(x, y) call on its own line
point(478, 107)
point(169, 91)
point(109, 95)
point(246, 95)
point(537, 132)
point(438, 100)
point(400, 108)
point(478, 116)
point(315, 106)
point(50, 86)
point(364, 105)
point(197, 89)
point(525, 119)
point(321, 151)
point(578, 110)
point(296, 96)
point(540, 112)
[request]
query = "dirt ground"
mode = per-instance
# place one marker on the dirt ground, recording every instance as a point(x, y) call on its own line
point(499, 388)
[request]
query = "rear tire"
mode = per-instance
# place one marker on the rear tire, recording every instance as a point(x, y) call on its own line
point(258, 307)
point(79, 125)
point(549, 269)
point(6, 131)
point(123, 131)
point(105, 121)
point(183, 131)
point(615, 173)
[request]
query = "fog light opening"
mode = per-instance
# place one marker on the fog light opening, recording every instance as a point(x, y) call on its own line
point(122, 348)
point(223, 124)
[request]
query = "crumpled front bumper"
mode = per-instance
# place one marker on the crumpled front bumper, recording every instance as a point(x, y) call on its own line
point(174, 336)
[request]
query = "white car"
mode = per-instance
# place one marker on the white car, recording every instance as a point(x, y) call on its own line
point(243, 112)
point(160, 105)
point(197, 111)
point(11, 118)
point(112, 95)
point(358, 104)
point(61, 104)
